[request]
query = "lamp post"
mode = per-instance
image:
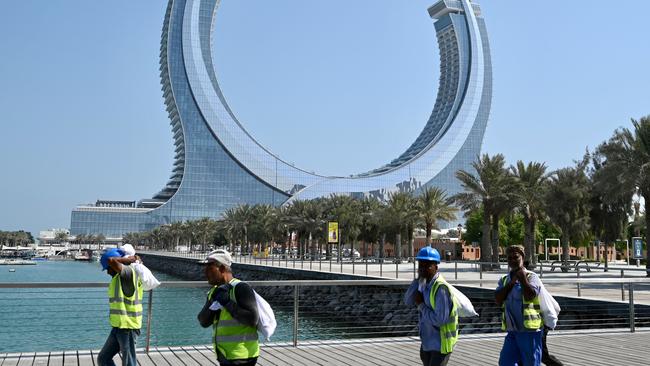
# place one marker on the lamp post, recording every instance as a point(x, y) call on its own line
point(459, 248)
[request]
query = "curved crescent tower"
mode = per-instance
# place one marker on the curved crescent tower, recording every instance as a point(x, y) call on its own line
point(219, 165)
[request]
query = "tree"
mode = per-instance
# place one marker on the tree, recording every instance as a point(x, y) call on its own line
point(627, 162)
point(492, 189)
point(531, 184)
point(434, 206)
point(402, 208)
point(61, 237)
point(566, 204)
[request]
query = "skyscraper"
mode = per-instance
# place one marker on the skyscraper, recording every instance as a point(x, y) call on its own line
point(219, 165)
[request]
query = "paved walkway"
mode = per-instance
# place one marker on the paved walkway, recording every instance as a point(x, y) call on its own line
point(614, 348)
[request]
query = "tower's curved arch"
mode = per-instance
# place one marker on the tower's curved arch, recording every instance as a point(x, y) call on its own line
point(218, 164)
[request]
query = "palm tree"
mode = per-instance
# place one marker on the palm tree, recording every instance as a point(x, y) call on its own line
point(532, 180)
point(434, 206)
point(348, 213)
point(627, 162)
point(372, 217)
point(566, 199)
point(492, 189)
point(61, 237)
point(403, 211)
point(176, 232)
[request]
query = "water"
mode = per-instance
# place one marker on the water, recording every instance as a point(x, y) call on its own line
point(40, 319)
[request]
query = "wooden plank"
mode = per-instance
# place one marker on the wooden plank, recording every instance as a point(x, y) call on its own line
point(26, 359)
point(205, 356)
point(11, 359)
point(85, 358)
point(170, 357)
point(56, 359)
point(41, 359)
point(70, 358)
point(157, 358)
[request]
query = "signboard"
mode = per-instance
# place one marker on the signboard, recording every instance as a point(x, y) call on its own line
point(637, 244)
point(332, 232)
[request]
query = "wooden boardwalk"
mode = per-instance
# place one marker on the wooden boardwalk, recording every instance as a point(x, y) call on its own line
point(585, 348)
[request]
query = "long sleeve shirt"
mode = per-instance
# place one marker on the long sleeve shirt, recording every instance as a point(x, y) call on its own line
point(514, 303)
point(430, 319)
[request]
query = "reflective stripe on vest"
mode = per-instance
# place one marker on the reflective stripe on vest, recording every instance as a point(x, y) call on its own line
point(125, 311)
point(449, 331)
point(232, 339)
point(531, 310)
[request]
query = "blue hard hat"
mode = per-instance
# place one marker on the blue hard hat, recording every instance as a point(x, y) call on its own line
point(428, 254)
point(108, 254)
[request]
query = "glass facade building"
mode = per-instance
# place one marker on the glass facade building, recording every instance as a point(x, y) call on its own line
point(218, 164)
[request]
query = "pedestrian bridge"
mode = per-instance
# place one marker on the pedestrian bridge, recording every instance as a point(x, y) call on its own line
point(616, 347)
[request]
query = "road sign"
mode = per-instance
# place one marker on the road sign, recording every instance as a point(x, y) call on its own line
point(638, 248)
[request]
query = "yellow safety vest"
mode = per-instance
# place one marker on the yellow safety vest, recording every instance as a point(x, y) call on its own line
point(231, 338)
point(125, 311)
point(532, 311)
point(448, 331)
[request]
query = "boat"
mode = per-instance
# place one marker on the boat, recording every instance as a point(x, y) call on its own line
point(15, 262)
point(39, 259)
point(81, 257)
point(12, 270)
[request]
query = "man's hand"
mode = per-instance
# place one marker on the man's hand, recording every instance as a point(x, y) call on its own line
point(419, 299)
point(220, 295)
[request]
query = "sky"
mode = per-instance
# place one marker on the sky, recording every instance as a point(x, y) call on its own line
point(337, 87)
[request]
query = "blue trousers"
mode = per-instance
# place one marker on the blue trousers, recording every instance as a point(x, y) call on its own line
point(120, 341)
point(525, 347)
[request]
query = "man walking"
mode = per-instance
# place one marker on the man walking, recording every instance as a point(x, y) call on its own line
point(125, 302)
point(518, 295)
point(438, 315)
point(231, 309)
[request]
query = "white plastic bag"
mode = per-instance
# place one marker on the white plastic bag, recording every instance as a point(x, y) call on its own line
point(149, 281)
point(465, 307)
point(549, 308)
point(267, 323)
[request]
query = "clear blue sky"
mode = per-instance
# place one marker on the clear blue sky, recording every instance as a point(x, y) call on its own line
point(83, 116)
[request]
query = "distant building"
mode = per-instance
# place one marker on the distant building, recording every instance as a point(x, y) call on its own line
point(219, 165)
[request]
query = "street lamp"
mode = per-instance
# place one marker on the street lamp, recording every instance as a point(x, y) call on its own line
point(459, 248)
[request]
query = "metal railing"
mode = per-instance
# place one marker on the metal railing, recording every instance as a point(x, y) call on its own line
point(406, 267)
point(58, 316)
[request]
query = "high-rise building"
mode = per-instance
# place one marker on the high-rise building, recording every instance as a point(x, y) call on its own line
point(219, 165)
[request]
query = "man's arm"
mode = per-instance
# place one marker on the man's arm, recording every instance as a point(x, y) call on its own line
point(409, 296)
point(206, 316)
point(502, 291)
point(244, 309)
point(440, 315)
point(116, 262)
point(530, 289)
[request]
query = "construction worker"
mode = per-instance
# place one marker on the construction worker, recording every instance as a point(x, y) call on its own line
point(518, 295)
point(231, 309)
point(438, 315)
point(125, 302)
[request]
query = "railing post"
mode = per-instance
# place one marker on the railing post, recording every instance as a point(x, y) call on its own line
point(578, 274)
point(456, 270)
point(296, 292)
point(366, 263)
point(149, 307)
point(480, 274)
point(541, 269)
point(396, 269)
point(414, 270)
point(352, 256)
point(622, 287)
point(631, 298)
point(381, 267)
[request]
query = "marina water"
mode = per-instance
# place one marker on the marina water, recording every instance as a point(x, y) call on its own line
point(57, 319)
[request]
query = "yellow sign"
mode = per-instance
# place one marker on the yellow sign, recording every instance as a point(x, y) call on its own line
point(332, 232)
